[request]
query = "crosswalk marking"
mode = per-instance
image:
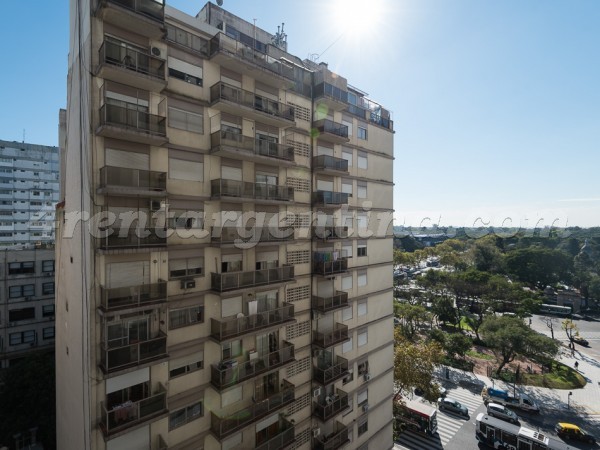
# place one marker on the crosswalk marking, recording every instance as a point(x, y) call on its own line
point(448, 424)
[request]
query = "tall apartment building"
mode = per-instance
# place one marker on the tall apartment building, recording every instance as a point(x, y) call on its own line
point(26, 303)
point(193, 329)
point(28, 192)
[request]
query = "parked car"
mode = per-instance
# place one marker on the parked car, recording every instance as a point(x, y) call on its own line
point(451, 405)
point(581, 341)
point(570, 431)
point(502, 412)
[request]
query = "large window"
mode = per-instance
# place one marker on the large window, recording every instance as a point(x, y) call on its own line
point(188, 267)
point(19, 268)
point(25, 290)
point(180, 169)
point(189, 40)
point(186, 316)
point(24, 337)
point(186, 364)
point(185, 71)
point(185, 415)
point(185, 120)
point(186, 220)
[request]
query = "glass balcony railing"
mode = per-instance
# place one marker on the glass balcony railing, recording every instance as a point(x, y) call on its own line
point(132, 238)
point(326, 304)
point(326, 232)
point(327, 407)
point(330, 127)
point(225, 92)
point(116, 54)
point(120, 357)
point(230, 235)
point(132, 178)
point(153, 9)
point(329, 198)
point(237, 326)
point(228, 373)
point(261, 147)
point(278, 438)
point(129, 413)
point(330, 91)
point(224, 426)
point(329, 338)
point(327, 263)
point(133, 296)
point(327, 372)
point(244, 189)
point(334, 440)
point(228, 281)
point(326, 162)
point(132, 118)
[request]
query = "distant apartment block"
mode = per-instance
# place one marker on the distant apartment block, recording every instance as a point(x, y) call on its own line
point(29, 189)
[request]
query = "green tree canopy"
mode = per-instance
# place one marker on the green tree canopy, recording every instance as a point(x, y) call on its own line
point(539, 266)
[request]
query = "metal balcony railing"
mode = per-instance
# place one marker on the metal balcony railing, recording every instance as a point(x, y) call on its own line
point(279, 438)
point(230, 235)
point(334, 440)
point(325, 198)
point(116, 54)
point(326, 304)
point(133, 296)
point(237, 326)
point(328, 372)
point(153, 9)
point(328, 90)
point(228, 281)
point(328, 407)
point(114, 358)
point(328, 263)
point(326, 162)
point(132, 238)
point(132, 178)
point(228, 373)
point(225, 92)
point(336, 336)
point(261, 147)
point(331, 127)
point(131, 117)
point(244, 189)
point(224, 426)
point(326, 232)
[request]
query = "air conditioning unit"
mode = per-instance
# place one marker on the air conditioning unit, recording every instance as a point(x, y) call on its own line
point(317, 392)
point(365, 407)
point(316, 353)
point(155, 51)
point(188, 284)
point(316, 432)
point(367, 376)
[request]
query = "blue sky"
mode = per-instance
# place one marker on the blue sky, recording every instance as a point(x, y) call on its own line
point(496, 104)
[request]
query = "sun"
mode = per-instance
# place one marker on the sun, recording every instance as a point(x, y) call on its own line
point(358, 17)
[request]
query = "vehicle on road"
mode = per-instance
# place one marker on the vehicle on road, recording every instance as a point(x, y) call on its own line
point(562, 311)
point(521, 401)
point(581, 341)
point(453, 406)
point(416, 416)
point(570, 431)
point(502, 412)
point(497, 434)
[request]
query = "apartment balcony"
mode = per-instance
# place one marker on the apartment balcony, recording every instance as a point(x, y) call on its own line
point(329, 164)
point(277, 438)
point(143, 17)
point(329, 232)
point(234, 100)
point(238, 326)
point(260, 192)
point(324, 305)
point(331, 131)
point(132, 182)
point(329, 263)
point(231, 53)
point(228, 373)
point(132, 124)
point(131, 413)
point(229, 281)
point(227, 425)
point(325, 339)
point(119, 357)
point(131, 67)
point(326, 372)
point(335, 98)
point(131, 238)
point(232, 235)
point(234, 145)
point(330, 198)
point(133, 296)
point(328, 407)
point(334, 440)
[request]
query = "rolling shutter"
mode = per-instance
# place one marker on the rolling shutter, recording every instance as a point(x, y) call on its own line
point(128, 274)
point(128, 160)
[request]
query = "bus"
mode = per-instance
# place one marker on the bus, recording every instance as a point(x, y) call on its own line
point(416, 416)
point(497, 434)
point(562, 311)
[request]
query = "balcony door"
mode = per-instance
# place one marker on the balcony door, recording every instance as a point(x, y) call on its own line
point(266, 386)
point(128, 332)
point(267, 343)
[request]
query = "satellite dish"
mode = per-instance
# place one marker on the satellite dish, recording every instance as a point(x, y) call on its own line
point(220, 2)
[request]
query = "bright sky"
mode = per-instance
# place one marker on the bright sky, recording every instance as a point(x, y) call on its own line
point(496, 104)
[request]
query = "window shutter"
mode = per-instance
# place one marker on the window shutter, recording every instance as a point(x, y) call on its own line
point(127, 160)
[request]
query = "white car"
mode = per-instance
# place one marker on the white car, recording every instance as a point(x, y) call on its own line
point(502, 412)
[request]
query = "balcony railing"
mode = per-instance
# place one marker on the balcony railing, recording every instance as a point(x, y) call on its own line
point(326, 304)
point(224, 426)
point(229, 281)
point(280, 439)
point(131, 413)
point(224, 329)
point(151, 8)
point(116, 54)
point(328, 372)
point(133, 296)
point(325, 198)
point(228, 373)
point(334, 440)
point(111, 176)
point(326, 408)
point(244, 189)
point(261, 147)
point(330, 91)
point(328, 263)
point(230, 235)
point(330, 127)
point(225, 92)
point(132, 118)
point(330, 232)
point(225, 44)
point(336, 336)
point(326, 162)
point(114, 358)
point(132, 238)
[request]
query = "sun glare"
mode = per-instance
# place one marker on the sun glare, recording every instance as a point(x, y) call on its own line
point(359, 17)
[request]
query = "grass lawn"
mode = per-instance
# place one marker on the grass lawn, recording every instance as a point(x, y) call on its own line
point(561, 377)
point(476, 354)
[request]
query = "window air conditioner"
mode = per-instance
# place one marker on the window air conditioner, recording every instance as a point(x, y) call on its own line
point(188, 284)
point(316, 432)
point(367, 376)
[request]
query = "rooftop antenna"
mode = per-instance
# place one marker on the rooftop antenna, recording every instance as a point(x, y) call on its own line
point(280, 38)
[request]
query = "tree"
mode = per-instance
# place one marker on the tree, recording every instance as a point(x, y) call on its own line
point(539, 266)
point(411, 316)
point(457, 344)
point(509, 337)
point(570, 329)
point(549, 321)
point(486, 255)
point(414, 364)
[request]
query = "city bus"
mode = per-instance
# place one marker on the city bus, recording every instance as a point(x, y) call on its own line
point(563, 311)
point(497, 434)
point(416, 416)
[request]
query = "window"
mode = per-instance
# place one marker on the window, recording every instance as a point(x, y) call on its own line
point(185, 120)
point(363, 337)
point(362, 308)
point(231, 349)
point(361, 248)
point(347, 313)
point(362, 160)
point(362, 278)
point(189, 40)
point(185, 71)
point(188, 267)
point(361, 133)
point(184, 317)
point(362, 221)
point(347, 346)
point(347, 250)
point(349, 125)
point(185, 415)
point(361, 190)
point(48, 288)
point(363, 426)
point(180, 169)
point(346, 282)
point(19, 268)
point(47, 310)
point(186, 364)
point(188, 220)
point(25, 337)
point(48, 333)
point(363, 367)
point(25, 290)
point(347, 186)
point(362, 397)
